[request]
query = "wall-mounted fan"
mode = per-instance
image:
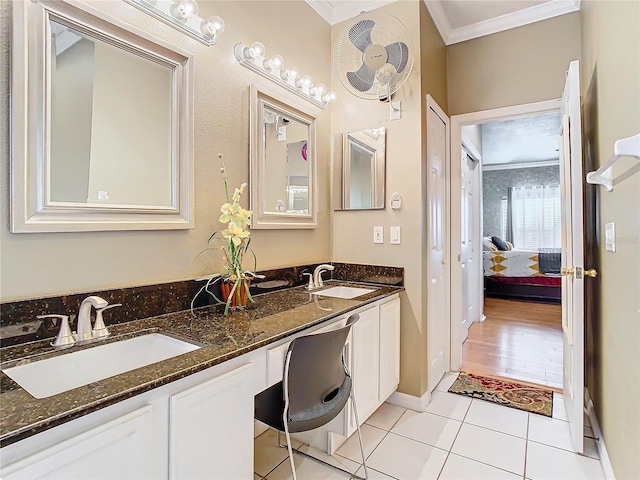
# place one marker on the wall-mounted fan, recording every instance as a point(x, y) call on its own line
point(372, 56)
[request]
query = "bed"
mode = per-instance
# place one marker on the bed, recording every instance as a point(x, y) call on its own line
point(523, 274)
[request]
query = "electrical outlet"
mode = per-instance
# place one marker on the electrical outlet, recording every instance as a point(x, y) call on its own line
point(378, 235)
point(394, 235)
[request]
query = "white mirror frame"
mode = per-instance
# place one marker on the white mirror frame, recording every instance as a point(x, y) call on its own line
point(31, 209)
point(266, 96)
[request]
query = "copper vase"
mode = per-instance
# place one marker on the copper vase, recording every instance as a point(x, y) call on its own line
point(240, 297)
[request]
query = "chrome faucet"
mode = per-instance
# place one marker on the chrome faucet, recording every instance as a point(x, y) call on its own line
point(84, 333)
point(317, 274)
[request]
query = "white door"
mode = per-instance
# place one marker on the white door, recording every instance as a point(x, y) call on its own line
point(470, 246)
point(572, 255)
point(438, 325)
point(211, 428)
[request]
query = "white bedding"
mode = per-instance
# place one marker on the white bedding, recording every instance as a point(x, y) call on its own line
point(512, 263)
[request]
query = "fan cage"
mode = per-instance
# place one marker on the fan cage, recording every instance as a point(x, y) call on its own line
point(347, 58)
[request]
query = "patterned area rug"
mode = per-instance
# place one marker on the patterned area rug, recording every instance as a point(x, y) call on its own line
point(511, 394)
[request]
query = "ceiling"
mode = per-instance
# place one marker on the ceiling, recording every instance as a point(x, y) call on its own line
point(524, 140)
point(459, 20)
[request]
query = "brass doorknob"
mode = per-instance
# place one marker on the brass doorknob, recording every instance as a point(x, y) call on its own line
point(566, 271)
point(591, 273)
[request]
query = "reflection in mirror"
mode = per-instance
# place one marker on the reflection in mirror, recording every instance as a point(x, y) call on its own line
point(110, 136)
point(363, 169)
point(283, 163)
point(286, 163)
point(101, 121)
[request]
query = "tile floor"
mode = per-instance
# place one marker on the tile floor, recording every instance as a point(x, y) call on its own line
point(454, 438)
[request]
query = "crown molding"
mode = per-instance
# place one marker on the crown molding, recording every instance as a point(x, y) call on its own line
point(334, 15)
point(353, 9)
point(537, 13)
point(439, 18)
point(322, 8)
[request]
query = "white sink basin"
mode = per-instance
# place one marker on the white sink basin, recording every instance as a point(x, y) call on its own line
point(58, 374)
point(343, 292)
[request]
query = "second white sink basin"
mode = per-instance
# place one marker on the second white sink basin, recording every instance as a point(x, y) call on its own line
point(54, 375)
point(343, 292)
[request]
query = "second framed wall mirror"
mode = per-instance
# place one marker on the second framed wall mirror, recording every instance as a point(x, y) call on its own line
point(363, 170)
point(283, 163)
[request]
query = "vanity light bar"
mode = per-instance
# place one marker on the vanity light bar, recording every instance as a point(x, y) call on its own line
point(183, 16)
point(254, 58)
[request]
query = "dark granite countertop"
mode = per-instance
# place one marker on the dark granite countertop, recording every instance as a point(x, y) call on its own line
point(272, 317)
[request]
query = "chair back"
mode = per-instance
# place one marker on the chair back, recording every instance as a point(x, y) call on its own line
point(317, 380)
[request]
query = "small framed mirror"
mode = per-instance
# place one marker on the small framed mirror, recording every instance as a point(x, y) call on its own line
point(283, 163)
point(101, 124)
point(363, 170)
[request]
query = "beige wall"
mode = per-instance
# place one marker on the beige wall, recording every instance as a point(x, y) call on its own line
point(352, 230)
point(47, 264)
point(514, 67)
point(611, 92)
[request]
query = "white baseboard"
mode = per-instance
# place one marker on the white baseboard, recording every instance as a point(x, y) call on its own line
point(605, 462)
point(411, 402)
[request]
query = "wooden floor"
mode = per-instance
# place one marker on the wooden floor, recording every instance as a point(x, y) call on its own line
point(518, 340)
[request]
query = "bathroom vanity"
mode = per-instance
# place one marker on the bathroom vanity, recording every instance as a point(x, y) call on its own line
point(191, 416)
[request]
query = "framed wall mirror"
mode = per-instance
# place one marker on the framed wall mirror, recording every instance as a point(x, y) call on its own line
point(283, 163)
point(363, 170)
point(101, 125)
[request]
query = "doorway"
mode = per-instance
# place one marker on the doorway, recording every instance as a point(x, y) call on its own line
point(511, 249)
point(508, 329)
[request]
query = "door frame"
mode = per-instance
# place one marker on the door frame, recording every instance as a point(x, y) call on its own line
point(456, 124)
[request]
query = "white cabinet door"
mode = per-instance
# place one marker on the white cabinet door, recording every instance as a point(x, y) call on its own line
point(366, 360)
point(211, 428)
point(389, 348)
point(128, 447)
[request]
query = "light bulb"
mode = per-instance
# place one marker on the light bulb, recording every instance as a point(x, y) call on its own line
point(305, 82)
point(329, 97)
point(185, 9)
point(290, 74)
point(257, 49)
point(320, 89)
point(276, 62)
point(213, 26)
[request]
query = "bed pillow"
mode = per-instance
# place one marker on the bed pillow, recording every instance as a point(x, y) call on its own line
point(500, 243)
point(488, 246)
point(510, 245)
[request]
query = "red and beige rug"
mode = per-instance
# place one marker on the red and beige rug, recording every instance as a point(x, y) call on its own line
point(510, 394)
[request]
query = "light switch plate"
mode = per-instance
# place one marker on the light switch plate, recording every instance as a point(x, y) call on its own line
point(378, 235)
point(394, 235)
point(610, 236)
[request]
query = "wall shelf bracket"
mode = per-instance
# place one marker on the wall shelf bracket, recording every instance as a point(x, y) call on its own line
point(625, 147)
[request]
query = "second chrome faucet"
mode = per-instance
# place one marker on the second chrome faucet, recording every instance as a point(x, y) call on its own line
point(315, 280)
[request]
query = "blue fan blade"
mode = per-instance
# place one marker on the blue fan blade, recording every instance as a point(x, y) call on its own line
point(360, 34)
point(398, 55)
point(362, 80)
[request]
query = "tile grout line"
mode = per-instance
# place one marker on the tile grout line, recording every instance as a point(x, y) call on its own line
point(526, 447)
point(379, 443)
point(452, 444)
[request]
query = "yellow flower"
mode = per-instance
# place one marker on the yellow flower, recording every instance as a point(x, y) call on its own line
point(235, 233)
